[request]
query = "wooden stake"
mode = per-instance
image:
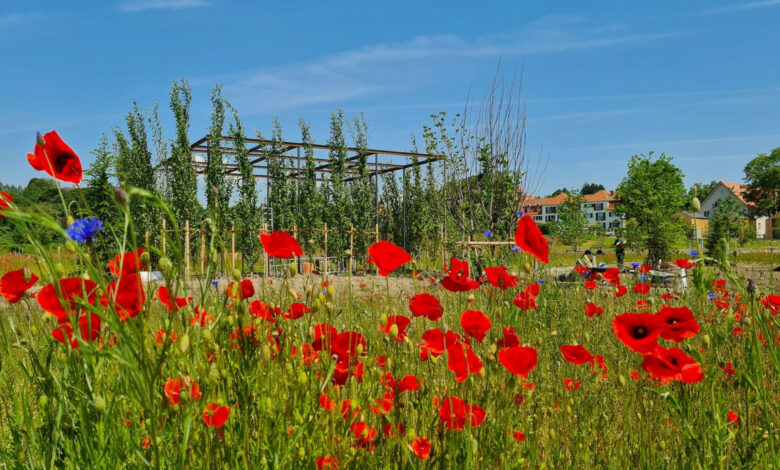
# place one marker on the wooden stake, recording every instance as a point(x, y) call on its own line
point(265, 255)
point(376, 238)
point(326, 248)
point(351, 246)
point(187, 249)
point(233, 246)
point(164, 232)
point(202, 251)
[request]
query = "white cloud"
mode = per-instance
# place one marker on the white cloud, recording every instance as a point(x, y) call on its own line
point(402, 66)
point(742, 6)
point(143, 5)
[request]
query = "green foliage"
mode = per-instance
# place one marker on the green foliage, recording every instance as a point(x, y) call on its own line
point(725, 223)
point(246, 209)
point(559, 191)
point(311, 201)
point(362, 190)
point(281, 194)
point(340, 209)
point(652, 193)
point(182, 183)
point(701, 190)
point(218, 187)
point(572, 225)
point(762, 175)
point(591, 188)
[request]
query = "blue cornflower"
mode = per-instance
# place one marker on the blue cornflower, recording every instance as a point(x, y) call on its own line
point(541, 281)
point(517, 249)
point(712, 295)
point(643, 277)
point(488, 233)
point(694, 253)
point(520, 213)
point(214, 282)
point(771, 248)
point(83, 230)
point(635, 264)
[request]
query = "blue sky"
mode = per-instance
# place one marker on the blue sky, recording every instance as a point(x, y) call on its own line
point(699, 80)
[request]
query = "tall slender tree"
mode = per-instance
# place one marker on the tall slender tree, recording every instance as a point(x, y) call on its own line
point(362, 188)
point(183, 185)
point(310, 199)
point(339, 209)
point(246, 210)
point(218, 186)
point(280, 192)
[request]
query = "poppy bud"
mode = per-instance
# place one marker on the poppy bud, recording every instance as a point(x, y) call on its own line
point(70, 246)
point(695, 204)
point(706, 339)
point(266, 353)
point(348, 252)
point(120, 196)
point(301, 453)
point(145, 258)
point(206, 335)
point(60, 269)
point(330, 293)
point(622, 380)
point(411, 433)
point(471, 298)
point(236, 275)
point(70, 220)
point(662, 444)
point(321, 298)
point(568, 409)
point(303, 379)
point(638, 416)
point(184, 343)
point(315, 307)
point(213, 375)
point(165, 265)
point(527, 268)
point(85, 276)
point(539, 341)
point(383, 318)
point(587, 337)
point(330, 307)
point(292, 270)
point(213, 255)
point(474, 445)
point(492, 349)
point(308, 291)
point(359, 350)
point(269, 404)
point(100, 403)
point(552, 433)
point(481, 373)
point(292, 292)
point(43, 401)
point(393, 331)
point(289, 369)
point(231, 320)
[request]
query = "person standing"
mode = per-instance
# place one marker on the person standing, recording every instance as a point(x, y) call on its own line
point(620, 251)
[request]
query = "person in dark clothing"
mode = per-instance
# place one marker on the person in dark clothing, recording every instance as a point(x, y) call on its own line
point(620, 251)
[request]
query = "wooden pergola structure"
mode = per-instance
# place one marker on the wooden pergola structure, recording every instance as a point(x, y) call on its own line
point(384, 161)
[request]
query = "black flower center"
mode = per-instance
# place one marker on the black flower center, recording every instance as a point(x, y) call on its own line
point(639, 332)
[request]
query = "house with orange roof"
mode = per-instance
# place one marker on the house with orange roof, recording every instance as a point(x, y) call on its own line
point(599, 208)
point(725, 190)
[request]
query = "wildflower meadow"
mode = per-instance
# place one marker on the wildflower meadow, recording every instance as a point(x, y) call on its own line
point(102, 365)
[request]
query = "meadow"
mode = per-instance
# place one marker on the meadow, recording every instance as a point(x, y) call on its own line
point(504, 368)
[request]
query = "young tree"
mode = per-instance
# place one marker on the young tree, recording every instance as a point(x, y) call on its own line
point(724, 224)
point(218, 187)
point(310, 199)
point(99, 191)
point(762, 175)
point(652, 193)
point(280, 193)
point(183, 185)
point(340, 204)
point(246, 210)
point(361, 189)
point(572, 225)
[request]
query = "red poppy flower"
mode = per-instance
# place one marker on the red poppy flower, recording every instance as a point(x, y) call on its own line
point(383, 405)
point(679, 323)
point(426, 305)
point(280, 245)
point(518, 360)
point(576, 354)
point(327, 403)
point(5, 201)
point(72, 291)
point(462, 361)
point(409, 383)
point(510, 338)
point(349, 345)
point(475, 324)
point(245, 289)
point(201, 318)
point(363, 432)
point(571, 384)
point(729, 369)
point(215, 415)
point(259, 309)
point(393, 430)
point(580, 269)
point(421, 447)
point(435, 342)
point(683, 263)
point(14, 284)
point(127, 263)
point(455, 412)
point(173, 389)
point(401, 322)
point(638, 331)
point(161, 335)
point(641, 288)
point(89, 328)
point(457, 279)
point(621, 291)
point(732, 417)
point(530, 239)
point(172, 304)
point(612, 275)
point(593, 310)
point(126, 294)
point(295, 311)
point(672, 364)
point(772, 302)
point(644, 269)
point(327, 462)
point(500, 277)
point(387, 256)
point(518, 436)
point(324, 335)
point(525, 300)
point(590, 285)
point(53, 156)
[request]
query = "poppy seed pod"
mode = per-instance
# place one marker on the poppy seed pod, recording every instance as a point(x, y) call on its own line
point(100, 403)
point(184, 343)
point(695, 204)
point(330, 293)
point(292, 270)
point(145, 258)
point(120, 196)
point(236, 275)
point(165, 265)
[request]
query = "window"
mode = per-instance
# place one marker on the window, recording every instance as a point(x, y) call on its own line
point(550, 210)
point(549, 218)
point(590, 215)
point(706, 213)
point(601, 216)
point(538, 218)
point(598, 207)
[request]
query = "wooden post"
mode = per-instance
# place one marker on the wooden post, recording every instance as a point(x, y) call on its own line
point(265, 255)
point(376, 238)
point(187, 249)
point(326, 248)
point(351, 246)
point(164, 233)
point(233, 246)
point(202, 251)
